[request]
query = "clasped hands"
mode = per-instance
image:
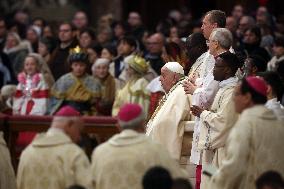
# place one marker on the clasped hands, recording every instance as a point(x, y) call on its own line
point(196, 110)
point(189, 84)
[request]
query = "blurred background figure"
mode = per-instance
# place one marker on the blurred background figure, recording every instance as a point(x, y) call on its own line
point(100, 71)
point(134, 90)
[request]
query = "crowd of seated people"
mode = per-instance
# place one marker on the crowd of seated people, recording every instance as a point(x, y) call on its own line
point(223, 74)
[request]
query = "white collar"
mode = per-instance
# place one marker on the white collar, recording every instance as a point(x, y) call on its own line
point(127, 137)
point(272, 102)
point(232, 81)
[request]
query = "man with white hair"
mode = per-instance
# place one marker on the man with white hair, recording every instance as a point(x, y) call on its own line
point(166, 126)
point(52, 160)
point(122, 161)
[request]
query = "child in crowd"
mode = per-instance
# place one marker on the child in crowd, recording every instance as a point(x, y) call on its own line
point(32, 91)
point(31, 95)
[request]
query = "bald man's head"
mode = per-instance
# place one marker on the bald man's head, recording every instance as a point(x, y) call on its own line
point(155, 43)
point(72, 126)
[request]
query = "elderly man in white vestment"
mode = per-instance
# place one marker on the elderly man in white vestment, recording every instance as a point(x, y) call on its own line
point(7, 175)
point(52, 160)
point(166, 126)
point(215, 123)
point(122, 161)
point(255, 143)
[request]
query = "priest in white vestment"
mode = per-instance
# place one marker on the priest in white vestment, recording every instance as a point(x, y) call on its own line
point(215, 123)
point(7, 175)
point(122, 161)
point(255, 144)
point(166, 125)
point(52, 160)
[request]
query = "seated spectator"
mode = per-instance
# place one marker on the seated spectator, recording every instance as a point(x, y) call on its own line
point(278, 58)
point(270, 180)
point(267, 39)
point(94, 52)
point(39, 22)
point(44, 69)
point(53, 160)
point(157, 178)
point(122, 161)
point(48, 31)
point(155, 44)
point(252, 65)
point(120, 29)
point(86, 38)
point(136, 25)
point(32, 91)
point(245, 23)
point(58, 62)
point(174, 35)
point(16, 51)
point(135, 89)
point(100, 72)
point(77, 88)
point(31, 96)
point(7, 174)
point(251, 42)
point(80, 21)
point(127, 46)
point(32, 35)
point(104, 35)
point(275, 93)
point(46, 45)
point(108, 52)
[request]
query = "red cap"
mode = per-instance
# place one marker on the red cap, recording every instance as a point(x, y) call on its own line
point(258, 84)
point(67, 111)
point(129, 112)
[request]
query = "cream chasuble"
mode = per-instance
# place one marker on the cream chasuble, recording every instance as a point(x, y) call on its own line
point(53, 161)
point(122, 161)
point(254, 146)
point(167, 123)
point(215, 124)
